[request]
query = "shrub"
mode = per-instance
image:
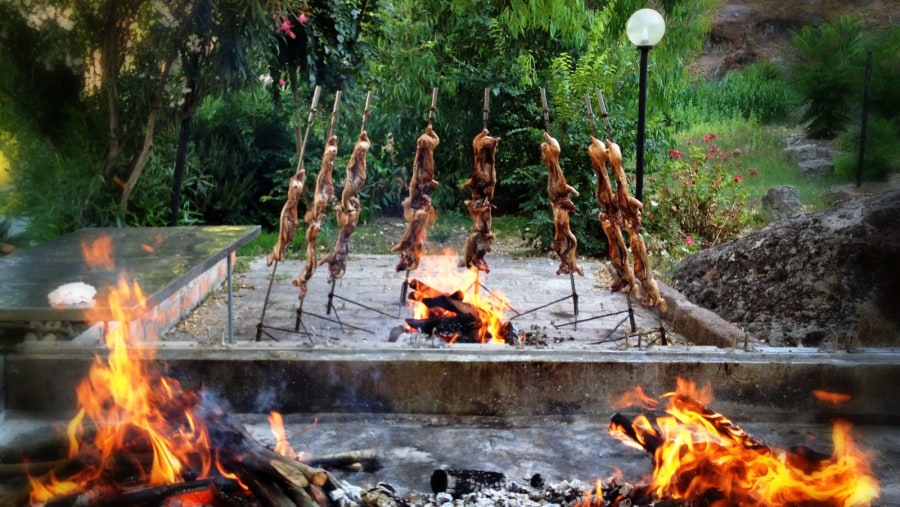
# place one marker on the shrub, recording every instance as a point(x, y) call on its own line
point(698, 199)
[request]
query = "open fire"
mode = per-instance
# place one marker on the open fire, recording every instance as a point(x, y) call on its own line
point(451, 304)
point(701, 456)
point(139, 438)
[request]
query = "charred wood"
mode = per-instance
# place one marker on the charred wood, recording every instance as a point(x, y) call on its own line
point(459, 483)
point(383, 495)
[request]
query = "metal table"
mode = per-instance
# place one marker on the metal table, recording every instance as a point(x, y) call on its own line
point(160, 260)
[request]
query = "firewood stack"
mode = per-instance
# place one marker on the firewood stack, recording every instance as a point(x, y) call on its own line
point(418, 211)
point(482, 183)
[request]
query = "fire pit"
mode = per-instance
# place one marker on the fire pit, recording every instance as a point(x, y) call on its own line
point(532, 421)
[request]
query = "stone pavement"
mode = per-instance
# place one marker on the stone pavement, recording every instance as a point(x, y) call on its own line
point(367, 309)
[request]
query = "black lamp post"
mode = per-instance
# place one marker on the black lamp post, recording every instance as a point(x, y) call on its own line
point(645, 28)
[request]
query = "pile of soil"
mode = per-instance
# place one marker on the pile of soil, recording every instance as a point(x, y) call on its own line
point(827, 278)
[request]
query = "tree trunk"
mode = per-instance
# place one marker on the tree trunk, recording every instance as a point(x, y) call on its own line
point(180, 160)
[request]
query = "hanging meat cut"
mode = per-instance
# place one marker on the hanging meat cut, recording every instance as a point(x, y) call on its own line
point(631, 213)
point(289, 220)
point(348, 209)
point(315, 215)
point(609, 218)
point(482, 183)
point(564, 242)
point(417, 208)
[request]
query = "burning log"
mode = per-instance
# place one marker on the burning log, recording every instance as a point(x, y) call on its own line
point(454, 320)
point(699, 456)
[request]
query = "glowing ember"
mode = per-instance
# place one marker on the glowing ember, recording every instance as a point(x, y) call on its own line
point(701, 454)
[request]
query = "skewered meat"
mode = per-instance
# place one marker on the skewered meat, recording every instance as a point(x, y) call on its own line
point(643, 271)
point(348, 209)
point(423, 168)
point(629, 207)
point(618, 254)
point(609, 218)
point(289, 220)
point(417, 209)
point(604, 192)
point(482, 183)
point(410, 246)
point(315, 215)
point(564, 242)
point(557, 189)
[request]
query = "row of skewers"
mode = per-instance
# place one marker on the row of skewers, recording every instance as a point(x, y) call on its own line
point(619, 211)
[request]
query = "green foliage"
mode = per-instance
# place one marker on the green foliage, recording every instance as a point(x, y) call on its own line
point(826, 71)
point(698, 199)
point(882, 146)
point(758, 92)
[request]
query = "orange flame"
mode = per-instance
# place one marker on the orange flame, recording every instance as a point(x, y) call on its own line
point(830, 397)
point(698, 451)
point(132, 408)
point(282, 445)
point(442, 272)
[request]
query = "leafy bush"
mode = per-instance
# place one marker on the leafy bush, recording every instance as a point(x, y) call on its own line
point(698, 199)
point(827, 70)
point(882, 145)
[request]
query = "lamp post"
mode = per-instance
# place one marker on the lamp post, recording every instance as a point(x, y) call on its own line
point(645, 28)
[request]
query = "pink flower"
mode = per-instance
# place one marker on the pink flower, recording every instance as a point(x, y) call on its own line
point(677, 155)
point(736, 152)
point(689, 240)
point(282, 83)
point(708, 137)
point(738, 178)
point(286, 28)
point(302, 18)
point(754, 171)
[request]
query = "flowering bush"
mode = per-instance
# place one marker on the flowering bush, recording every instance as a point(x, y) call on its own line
point(698, 199)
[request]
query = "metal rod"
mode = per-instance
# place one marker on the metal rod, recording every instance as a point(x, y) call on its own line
point(487, 108)
point(595, 317)
point(545, 111)
point(641, 127)
point(860, 164)
point(262, 317)
point(590, 113)
point(574, 294)
point(334, 114)
point(366, 112)
point(605, 115)
point(229, 273)
point(433, 108)
point(312, 112)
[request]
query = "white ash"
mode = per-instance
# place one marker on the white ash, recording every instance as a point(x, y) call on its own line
point(72, 295)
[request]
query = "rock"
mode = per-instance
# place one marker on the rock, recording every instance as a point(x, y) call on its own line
point(801, 152)
point(819, 167)
point(782, 201)
point(810, 279)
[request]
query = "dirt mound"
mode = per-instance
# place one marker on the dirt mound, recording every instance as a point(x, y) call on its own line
point(821, 278)
point(745, 32)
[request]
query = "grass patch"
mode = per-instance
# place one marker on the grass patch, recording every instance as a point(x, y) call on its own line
point(761, 148)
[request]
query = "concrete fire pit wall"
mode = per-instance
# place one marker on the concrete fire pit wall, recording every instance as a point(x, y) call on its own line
point(771, 385)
